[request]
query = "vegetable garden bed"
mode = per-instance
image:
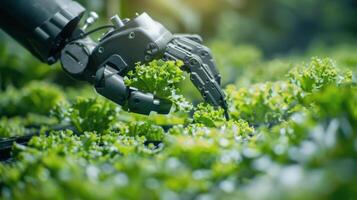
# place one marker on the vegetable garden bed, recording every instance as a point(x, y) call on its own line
point(292, 135)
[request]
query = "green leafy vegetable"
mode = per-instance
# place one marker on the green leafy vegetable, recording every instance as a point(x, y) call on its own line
point(36, 97)
point(294, 138)
point(84, 114)
point(263, 104)
point(160, 78)
point(208, 115)
point(11, 127)
point(319, 73)
point(150, 131)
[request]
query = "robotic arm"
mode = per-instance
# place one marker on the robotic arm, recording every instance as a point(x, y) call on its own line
point(49, 30)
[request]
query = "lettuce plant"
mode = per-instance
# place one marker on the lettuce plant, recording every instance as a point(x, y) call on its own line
point(292, 139)
point(36, 97)
point(317, 74)
point(85, 114)
point(160, 78)
point(208, 115)
point(263, 104)
point(11, 128)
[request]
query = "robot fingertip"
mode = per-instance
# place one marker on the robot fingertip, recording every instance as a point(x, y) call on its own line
point(226, 115)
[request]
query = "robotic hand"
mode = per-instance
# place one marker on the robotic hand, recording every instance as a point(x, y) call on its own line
point(140, 40)
point(104, 63)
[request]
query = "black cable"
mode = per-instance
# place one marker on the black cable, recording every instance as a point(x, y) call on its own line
point(91, 32)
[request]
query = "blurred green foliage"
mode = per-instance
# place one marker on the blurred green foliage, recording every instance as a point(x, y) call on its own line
point(290, 135)
point(18, 67)
point(35, 97)
point(11, 127)
point(208, 115)
point(263, 104)
point(280, 26)
point(87, 114)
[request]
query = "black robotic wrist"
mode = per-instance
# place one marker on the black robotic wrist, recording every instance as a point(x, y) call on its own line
point(44, 29)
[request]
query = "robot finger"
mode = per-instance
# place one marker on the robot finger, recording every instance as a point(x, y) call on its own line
point(193, 37)
point(200, 74)
point(111, 85)
point(201, 51)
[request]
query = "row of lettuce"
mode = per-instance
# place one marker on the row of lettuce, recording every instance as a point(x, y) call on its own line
point(293, 137)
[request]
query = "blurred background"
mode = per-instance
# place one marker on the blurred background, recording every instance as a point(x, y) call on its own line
point(241, 33)
point(275, 26)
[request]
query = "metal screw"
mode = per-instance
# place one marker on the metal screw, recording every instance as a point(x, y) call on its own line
point(204, 53)
point(100, 49)
point(147, 58)
point(131, 35)
point(193, 62)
